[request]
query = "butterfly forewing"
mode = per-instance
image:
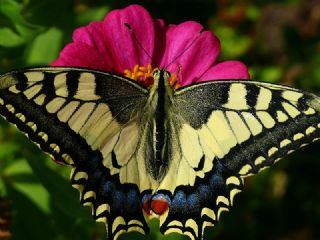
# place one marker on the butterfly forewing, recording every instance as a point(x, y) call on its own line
point(248, 122)
point(90, 120)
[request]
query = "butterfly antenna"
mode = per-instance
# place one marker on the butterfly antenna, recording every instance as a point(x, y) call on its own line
point(137, 41)
point(186, 49)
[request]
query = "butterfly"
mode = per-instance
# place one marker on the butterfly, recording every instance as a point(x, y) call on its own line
point(139, 153)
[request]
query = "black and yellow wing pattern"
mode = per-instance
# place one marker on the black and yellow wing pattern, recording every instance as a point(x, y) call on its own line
point(139, 153)
point(64, 111)
point(232, 130)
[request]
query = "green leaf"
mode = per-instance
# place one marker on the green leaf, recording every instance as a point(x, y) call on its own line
point(7, 154)
point(45, 47)
point(36, 193)
point(19, 174)
point(92, 14)
point(9, 38)
point(74, 227)
point(253, 13)
point(234, 44)
point(30, 222)
point(268, 74)
point(24, 178)
point(62, 195)
point(154, 234)
point(51, 13)
point(17, 166)
point(17, 30)
point(12, 10)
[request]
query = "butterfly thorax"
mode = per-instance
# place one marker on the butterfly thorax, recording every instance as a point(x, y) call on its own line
point(157, 111)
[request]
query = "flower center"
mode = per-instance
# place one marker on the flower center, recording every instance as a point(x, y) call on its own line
point(141, 74)
point(144, 76)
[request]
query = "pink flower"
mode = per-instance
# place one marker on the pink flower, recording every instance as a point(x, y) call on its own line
point(129, 42)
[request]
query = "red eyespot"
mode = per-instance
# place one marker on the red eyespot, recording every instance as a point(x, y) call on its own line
point(159, 206)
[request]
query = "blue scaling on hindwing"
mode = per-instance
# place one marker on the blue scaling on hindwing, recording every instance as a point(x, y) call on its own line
point(119, 201)
point(162, 196)
point(133, 204)
point(107, 188)
point(112, 200)
point(213, 192)
point(179, 203)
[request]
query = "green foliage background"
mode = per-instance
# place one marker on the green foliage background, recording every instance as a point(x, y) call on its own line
point(279, 41)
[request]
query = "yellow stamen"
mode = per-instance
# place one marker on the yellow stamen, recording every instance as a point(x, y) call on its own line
point(144, 75)
point(173, 81)
point(141, 74)
point(176, 86)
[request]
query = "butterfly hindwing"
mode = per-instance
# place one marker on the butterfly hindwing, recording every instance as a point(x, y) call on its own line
point(89, 120)
point(226, 131)
point(193, 208)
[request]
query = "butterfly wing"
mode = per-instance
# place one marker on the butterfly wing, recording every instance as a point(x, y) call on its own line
point(89, 120)
point(223, 131)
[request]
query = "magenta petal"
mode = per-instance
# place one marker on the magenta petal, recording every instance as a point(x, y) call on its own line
point(91, 35)
point(87, 50)
point(130, 37)
point(82, 55)
point(160, 28)
point(128, 47)
point(226, 70)
point(192, 52)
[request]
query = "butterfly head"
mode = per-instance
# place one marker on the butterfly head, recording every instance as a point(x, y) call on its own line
point(169, 80)
point(161, 74)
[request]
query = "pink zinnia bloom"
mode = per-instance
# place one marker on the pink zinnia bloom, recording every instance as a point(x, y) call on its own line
point(130, 42)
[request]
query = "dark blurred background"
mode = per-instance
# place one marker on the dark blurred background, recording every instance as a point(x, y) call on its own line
point(278, 40)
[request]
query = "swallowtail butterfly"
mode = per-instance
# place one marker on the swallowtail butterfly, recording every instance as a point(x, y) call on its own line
point(137, 153)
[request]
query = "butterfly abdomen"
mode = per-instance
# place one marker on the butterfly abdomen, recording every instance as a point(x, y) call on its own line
point(160, 131)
